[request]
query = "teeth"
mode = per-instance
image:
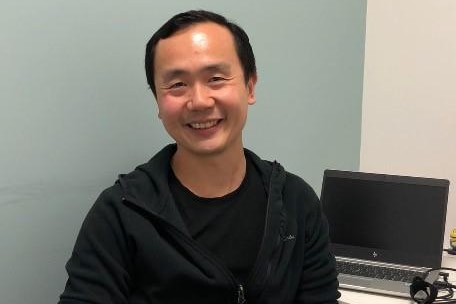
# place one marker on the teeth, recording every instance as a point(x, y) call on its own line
point(203, 125)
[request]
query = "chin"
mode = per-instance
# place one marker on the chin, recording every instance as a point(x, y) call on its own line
point(213, 146)
point(205, 149)
point(209, 150)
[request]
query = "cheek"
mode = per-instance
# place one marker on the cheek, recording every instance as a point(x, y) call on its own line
point(168, 107)
point(230, 97)
point(235, 102)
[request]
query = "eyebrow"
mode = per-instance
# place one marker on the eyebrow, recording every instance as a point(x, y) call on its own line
point(217, 67)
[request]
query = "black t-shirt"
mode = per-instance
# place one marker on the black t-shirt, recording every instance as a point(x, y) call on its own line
point(231, 226)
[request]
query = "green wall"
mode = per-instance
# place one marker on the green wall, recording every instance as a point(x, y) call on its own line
point(75, 110)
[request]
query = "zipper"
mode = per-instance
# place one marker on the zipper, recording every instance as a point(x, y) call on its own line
point(276, 244)
point(241, 295)
point(240, 290)
point(266, 224)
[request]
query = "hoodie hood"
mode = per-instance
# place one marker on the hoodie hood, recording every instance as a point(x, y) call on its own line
point(147, 186)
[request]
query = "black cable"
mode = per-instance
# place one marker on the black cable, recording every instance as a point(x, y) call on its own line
point(446, 287)
point(450, 251)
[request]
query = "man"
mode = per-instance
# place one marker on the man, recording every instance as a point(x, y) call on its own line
point(205, 220)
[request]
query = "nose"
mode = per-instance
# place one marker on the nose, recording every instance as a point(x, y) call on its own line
point(200, 98)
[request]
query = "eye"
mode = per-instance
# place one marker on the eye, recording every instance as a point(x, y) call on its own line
point(177, 85)
point(216, 79)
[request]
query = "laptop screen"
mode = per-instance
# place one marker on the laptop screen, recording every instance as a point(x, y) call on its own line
point(387, 218)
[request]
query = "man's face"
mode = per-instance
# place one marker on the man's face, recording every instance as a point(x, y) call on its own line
point(201, 92)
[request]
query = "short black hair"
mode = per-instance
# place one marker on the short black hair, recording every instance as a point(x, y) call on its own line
point(186, 19)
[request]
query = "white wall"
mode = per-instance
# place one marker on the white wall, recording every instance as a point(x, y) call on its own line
point(409, 99)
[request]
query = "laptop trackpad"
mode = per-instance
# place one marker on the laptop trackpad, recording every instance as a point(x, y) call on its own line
point(374, 285)
point(355, 281)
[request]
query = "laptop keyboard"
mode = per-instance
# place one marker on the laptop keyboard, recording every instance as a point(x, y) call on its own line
point(378, 272)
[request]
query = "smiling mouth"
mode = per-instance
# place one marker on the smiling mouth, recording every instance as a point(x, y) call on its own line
point(204, 125)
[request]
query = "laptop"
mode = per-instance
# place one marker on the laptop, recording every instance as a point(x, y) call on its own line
point(384, 229)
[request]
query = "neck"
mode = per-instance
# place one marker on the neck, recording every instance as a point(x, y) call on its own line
point(210, 176)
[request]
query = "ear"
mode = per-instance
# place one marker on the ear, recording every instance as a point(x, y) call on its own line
point(251, 89)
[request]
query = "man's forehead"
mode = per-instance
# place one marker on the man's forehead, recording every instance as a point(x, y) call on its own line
point(200, 39)
point(203, 39)
point(200, 32)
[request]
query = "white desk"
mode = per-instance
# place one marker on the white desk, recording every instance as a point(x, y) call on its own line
point(359, 297)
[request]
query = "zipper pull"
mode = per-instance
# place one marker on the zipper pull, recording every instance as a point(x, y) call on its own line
point(241, 297)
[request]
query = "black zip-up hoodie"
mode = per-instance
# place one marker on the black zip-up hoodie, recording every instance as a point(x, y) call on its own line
point(134, 248)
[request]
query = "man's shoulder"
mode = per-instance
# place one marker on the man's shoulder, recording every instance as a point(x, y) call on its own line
point(295, 181)
point(143, 182)
point(300, 191)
